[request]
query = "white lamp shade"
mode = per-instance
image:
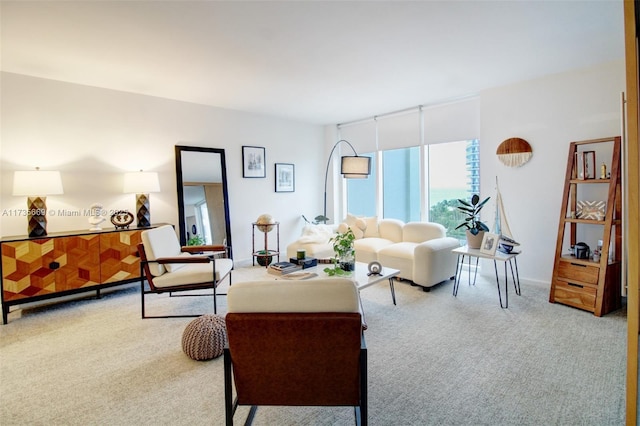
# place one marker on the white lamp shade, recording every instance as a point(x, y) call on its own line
point(37, 183)
point(141, 183)
point(356, 167)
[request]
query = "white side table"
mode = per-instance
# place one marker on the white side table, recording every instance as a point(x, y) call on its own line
point(507, 258)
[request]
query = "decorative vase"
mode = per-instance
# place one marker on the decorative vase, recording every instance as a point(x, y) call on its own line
point(264, 259)
point(347, 262)
point(474, 241)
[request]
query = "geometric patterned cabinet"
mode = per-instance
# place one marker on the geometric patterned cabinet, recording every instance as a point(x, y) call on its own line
point(65, 263)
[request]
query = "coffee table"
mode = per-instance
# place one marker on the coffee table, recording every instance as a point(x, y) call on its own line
point(360, 276)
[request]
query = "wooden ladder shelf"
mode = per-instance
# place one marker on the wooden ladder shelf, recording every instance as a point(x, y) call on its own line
point(588, 284)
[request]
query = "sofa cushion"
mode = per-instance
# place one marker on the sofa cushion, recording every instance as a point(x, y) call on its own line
point(371, 229)
point(418, 232)
point(367, 248)
point(399, 256)
point(357, 225)
point(391, 229)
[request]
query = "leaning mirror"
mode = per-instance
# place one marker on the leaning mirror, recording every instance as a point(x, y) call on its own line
point(203, 199)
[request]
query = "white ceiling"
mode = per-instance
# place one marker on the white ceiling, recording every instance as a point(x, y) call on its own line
point(313, 61)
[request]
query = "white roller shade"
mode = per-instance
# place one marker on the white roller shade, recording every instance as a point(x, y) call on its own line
point(455, 121)
point(361, 135)
point(401, 130)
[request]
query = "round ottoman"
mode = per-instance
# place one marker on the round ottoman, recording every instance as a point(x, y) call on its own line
point(205, 337)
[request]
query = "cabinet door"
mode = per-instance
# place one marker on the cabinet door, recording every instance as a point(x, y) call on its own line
point(49, 265)
point(119, 259)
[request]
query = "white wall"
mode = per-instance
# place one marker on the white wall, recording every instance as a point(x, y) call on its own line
point(94, 135)
point(549, 113)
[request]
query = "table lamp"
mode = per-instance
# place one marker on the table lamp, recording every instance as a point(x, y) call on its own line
point(142, 183)
point(36, 185)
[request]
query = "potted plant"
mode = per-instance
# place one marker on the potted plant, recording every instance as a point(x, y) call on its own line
point(196, 240)
point(475, 228)
point(345, 260)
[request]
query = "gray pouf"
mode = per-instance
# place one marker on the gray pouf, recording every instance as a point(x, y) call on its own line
point(204, 337)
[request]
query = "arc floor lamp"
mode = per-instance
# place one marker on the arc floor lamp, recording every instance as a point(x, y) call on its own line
point(351, 167)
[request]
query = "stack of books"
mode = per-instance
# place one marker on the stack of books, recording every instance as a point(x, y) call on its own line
point(283, 268)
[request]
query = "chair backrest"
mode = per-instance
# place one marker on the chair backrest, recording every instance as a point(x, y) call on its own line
point(295, 342)
point(160, 242)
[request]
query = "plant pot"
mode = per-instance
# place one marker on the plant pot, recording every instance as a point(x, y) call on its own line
point(264, 259)
point(474, 241)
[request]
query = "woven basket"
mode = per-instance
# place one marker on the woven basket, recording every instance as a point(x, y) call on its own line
point(204, 337)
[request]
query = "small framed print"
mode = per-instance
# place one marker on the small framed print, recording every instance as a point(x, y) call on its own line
point(285, 177)
point(589, 164)
point(253, 162)
point(489, 243)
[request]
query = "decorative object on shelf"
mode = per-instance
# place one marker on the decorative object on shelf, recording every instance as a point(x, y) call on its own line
point(585, 162)
point(285, 177)
point(375, 268)
point(36, 185)
point(345, 259)
point(142, 183)
point(352, 167)
point(489, 243)
point(582, 250)
point(590, 210)
point(301, 254)
point(603, 171)
point(96, 218)
point(475, 227)
point(253, 162)
point(264, 258)
point(514, 152)
point(121, 219)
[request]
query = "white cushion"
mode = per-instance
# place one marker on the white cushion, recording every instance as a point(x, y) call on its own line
point(371, 228)
point(418, 232)
point(367, 248)
point(391, 229)
point(399, 256)
point(160, 242)
point(194, 273)
point(316, 295)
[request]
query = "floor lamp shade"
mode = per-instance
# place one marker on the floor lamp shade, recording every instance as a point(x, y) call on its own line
point(355, 167)
point(142, 183)
point(36, 185)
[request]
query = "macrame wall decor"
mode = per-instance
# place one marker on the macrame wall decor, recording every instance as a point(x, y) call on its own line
point(514, 152)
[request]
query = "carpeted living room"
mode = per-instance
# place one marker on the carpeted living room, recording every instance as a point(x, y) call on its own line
point(97, 92)
point(432, 359)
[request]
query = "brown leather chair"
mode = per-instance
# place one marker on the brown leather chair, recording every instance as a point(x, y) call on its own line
point(295, 343)
point(169, 268)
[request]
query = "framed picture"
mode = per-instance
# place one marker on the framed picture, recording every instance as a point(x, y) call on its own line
point(579, 166)
point(591, 210)
point(285, 177)
point(253, 162)
point(589, 164)
point(489, 243)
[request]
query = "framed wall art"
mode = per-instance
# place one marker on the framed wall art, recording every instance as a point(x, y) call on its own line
point(489, 243)
point(253, 162)
point(285, 177)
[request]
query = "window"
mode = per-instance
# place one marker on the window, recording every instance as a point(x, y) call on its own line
point(401, 184)
point(453, 170)
point(361, 199)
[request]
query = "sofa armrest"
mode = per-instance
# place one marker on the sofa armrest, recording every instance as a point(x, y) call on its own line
point(434, 261)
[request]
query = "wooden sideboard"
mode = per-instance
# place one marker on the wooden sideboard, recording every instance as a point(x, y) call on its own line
point(65, 263)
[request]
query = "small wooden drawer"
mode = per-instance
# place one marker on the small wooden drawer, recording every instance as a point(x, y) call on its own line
point(577, 295)
point(578, 272)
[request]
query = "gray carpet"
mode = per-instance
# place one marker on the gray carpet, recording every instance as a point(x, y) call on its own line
point(433, 360)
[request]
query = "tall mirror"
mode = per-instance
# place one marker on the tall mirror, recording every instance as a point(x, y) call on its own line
point(203, 199)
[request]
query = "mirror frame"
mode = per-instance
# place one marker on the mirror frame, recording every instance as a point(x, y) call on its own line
point(179, 149)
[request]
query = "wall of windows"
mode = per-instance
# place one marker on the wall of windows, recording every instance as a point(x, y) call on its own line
point(423, 161)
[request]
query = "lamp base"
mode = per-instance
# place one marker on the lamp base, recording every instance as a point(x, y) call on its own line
point(142, 210)
point(36, 216)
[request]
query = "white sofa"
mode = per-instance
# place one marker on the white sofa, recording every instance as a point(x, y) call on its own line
point(420, 250)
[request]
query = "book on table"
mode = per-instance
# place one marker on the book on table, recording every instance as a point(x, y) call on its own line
point(282, 268)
